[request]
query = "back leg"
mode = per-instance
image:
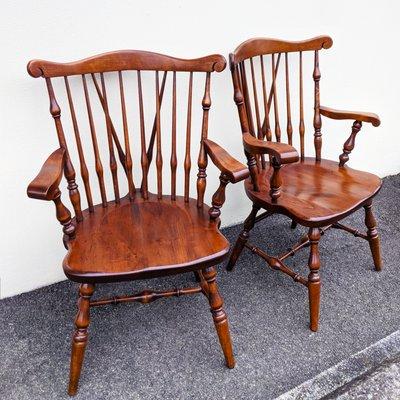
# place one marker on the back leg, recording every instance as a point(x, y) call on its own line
point(373, 237)
point(243, 237)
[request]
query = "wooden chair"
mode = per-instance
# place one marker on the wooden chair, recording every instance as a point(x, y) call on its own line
point(137, 235)
point(312, 191)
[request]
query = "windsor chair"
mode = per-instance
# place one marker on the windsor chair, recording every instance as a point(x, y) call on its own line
point(314, 192)
point(139, 235)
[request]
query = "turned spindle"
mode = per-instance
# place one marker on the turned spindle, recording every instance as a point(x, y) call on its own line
point(202, 159)
point(314, 280)
point(80, 336)
point(317, 117)
point(349, 143)
point(218, 198)
point(276, 180)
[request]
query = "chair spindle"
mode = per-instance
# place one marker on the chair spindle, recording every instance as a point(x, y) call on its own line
point(317, 117)
point(256, 107)
point(98, 164)
point(266, 128)
point(289, 128)
point(84, 169)
point(69, 170)
point(121, 154)
point(129, 164)
point(301, 124)
point(188, 162)
point(271, 91)
point(144, 161)
point(174, 160)
point(159, 160)
point(247, 98)
point(202, 160)
point(276, 111)
point(154, 129)
point(113, 162)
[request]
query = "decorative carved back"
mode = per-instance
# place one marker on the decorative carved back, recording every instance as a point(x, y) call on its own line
point(92, 73)
point(256, 90)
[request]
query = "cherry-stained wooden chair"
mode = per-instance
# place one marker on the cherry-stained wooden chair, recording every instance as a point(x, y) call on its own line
point(314, 192)
point(132, 233)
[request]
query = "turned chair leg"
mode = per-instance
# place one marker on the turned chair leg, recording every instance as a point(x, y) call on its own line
point(243, 237)
point(314, 281)
point(80, 337)
point(373, 237)
point(219, 315)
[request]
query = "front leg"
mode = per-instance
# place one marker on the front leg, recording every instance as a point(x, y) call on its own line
point(219, 315)
point(80, 337)
point(373, 237)
point(314, 280)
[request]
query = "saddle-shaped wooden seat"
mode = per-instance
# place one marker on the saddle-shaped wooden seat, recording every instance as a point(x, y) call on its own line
point(316, 192)
point(144, 239)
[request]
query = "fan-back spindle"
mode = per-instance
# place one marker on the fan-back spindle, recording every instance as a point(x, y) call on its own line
point(121, 147)
point(268, 53)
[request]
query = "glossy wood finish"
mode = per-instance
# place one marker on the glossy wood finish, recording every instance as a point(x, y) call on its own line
point(219, 315)
point(314, 280)
point(311, 191)
point(109, 243)
point(255, 47)
point(331, 193)
point(352, 115)
point(282, 152)
point(372, 236)
point(233, 169)
point(124, 60)
point(80, 337)
point(138, 234)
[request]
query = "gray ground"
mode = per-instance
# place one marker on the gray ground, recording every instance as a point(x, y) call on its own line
point(169, 349)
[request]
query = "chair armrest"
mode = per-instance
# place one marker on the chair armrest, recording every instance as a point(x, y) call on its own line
point(45, 185)
point(353, 115)
point(234, 170)
point(283, 153)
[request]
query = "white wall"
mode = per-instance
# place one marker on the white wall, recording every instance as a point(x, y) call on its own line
point(359, 72)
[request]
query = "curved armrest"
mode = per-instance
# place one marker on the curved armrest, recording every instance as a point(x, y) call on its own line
point(283, 153)
point(45, 185)
point(234, 170)
point(354, 115)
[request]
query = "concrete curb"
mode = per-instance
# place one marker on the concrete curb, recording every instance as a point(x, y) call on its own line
point(346, 371)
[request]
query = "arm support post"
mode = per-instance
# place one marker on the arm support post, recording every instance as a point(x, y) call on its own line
point(349, 143)
point(231, 171)
point(359, 117)
point(280, 153)
point(46, 187)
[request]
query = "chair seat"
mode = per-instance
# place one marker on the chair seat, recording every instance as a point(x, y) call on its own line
point(143, 239)
point(316, 193)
